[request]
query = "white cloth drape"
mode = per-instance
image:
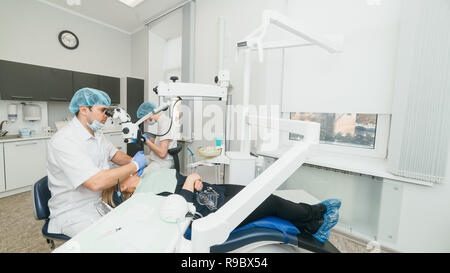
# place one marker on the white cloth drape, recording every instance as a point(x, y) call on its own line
point(420, 131)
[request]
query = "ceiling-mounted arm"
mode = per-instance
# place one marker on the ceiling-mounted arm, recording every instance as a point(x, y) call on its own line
point(254, 40)
point(294, 28)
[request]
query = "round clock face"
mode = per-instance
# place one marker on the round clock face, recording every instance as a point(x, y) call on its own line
point(68, 39)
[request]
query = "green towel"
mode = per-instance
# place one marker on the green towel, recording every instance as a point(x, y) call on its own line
point(157, 181)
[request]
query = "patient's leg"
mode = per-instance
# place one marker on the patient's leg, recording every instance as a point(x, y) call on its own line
point(304, 216)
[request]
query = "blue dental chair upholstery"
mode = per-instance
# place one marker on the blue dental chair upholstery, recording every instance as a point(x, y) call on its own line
point(269, 230)
point(242, 238)
point(41, 195)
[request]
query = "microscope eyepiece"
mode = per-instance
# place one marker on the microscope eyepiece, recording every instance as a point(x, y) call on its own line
point(109, 113)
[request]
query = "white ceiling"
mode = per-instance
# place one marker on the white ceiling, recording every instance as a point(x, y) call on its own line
point(127, 19)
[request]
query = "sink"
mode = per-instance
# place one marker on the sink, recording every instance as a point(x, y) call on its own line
point(10, 136)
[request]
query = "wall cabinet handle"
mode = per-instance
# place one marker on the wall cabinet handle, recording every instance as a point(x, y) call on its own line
point(22, 97)
point(26, 144)
point(58, 99)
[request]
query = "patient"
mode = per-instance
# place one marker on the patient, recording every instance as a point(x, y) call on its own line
point(318, 219)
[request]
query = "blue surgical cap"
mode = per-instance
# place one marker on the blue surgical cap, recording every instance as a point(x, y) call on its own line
point(88, 97)
point(145, 108)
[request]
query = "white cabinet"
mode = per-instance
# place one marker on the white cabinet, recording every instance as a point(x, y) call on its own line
point(25, 163)
point(117, 140)
point(2, 170)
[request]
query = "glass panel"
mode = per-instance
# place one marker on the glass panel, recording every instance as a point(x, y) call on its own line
point(355, 130)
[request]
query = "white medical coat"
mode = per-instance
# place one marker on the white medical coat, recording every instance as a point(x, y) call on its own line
point(155, 162)
point(74, 155)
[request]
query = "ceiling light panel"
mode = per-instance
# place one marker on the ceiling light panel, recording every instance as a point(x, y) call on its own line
point(131, 3)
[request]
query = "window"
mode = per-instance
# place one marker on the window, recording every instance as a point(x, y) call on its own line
point(355, 130)
point(361, 134)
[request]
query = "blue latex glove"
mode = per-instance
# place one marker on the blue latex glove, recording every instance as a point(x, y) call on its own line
point(140, 159)
point(148, 136)
point(140, 172)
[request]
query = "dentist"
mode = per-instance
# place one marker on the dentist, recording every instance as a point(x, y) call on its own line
point(79, 166)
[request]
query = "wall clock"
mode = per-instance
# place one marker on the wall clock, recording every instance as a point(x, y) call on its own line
point(68, 39)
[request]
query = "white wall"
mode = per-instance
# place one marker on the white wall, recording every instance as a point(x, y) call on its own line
point(140, 57)
point(425, 218)
point(29, 34)
point(155, 63)
point(241, 18)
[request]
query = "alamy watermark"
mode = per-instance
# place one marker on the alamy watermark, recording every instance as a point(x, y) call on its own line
point(253, 122)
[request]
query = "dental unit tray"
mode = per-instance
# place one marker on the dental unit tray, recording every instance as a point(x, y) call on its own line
point(210, 151)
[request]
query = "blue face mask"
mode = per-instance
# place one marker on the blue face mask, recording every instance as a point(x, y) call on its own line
point(96, 125)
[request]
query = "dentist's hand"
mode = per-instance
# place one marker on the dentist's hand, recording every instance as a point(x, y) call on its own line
point(140, 160)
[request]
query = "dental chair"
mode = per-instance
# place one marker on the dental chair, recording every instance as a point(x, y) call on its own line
point(40, 195)
point(258, 239)
point(268, 234)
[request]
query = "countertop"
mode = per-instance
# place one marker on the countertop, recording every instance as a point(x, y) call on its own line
point(38, 137)
point(24, 138)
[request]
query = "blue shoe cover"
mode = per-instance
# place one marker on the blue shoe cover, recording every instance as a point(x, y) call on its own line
point(332, 203)
point(330, 220)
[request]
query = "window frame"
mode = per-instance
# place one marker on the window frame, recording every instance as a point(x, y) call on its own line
point(381, 141)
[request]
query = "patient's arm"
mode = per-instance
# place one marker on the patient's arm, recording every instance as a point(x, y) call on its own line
point(193, 181)
point(161, 150)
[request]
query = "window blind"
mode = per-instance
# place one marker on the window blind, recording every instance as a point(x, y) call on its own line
point(420, 133)
point(358, 80)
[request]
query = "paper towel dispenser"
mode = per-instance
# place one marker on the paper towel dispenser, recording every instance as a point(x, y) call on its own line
point(31, 112)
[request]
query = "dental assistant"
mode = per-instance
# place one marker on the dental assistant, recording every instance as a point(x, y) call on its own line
point(159, 145)
point(79, 165)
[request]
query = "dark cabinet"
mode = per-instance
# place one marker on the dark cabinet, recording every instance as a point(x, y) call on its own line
point(57, 84)
point(135, 96)
point(82, 80)
point(111, 86)
point(20, 81)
